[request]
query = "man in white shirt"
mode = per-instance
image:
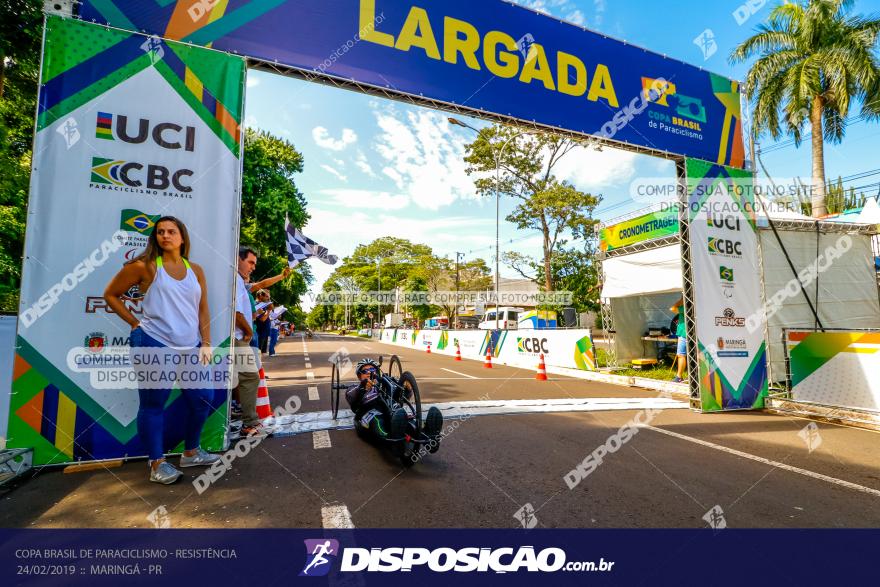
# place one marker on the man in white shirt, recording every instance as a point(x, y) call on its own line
point(246, 360)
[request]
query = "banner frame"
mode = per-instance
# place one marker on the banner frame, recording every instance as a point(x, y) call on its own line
point(28, 237)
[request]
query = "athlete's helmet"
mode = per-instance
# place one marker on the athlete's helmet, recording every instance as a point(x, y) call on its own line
point(363, 364)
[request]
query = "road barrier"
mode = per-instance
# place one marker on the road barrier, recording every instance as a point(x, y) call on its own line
point(572, 349)
point(836, 368)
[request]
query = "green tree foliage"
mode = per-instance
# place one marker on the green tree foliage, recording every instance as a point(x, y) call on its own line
point(816, 59)
point(545, 203)
point(390, 263)
point(20, 37)
point(268, 194)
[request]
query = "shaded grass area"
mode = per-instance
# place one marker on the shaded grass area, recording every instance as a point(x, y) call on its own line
point(662, 372)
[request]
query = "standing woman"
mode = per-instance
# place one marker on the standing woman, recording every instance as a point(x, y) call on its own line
point(175, 323)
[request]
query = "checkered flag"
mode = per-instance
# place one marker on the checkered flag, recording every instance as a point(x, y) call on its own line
point(301, 247)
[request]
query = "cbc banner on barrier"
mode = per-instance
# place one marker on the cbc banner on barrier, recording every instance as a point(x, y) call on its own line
point(130, 128)
point(727, 287)
point(571, 349)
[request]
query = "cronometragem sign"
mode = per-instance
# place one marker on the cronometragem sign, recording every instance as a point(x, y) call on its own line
point(488, 56)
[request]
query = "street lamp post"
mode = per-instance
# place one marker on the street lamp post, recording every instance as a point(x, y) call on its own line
point(455, 308)
point(498, 153)
point(379, 290)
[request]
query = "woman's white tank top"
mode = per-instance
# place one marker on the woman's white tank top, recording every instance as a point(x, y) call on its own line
point(171, 308)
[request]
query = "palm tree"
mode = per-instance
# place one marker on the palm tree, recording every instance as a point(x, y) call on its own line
point(815, 60)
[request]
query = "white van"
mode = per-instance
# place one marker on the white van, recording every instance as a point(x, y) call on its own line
point(508, 319)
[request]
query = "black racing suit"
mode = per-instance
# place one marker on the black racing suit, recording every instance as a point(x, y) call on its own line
point(370, 412)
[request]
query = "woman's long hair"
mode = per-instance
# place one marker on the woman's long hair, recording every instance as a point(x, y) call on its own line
point(153, 249)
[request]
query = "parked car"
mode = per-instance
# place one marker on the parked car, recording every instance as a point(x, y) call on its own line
point(508, 319)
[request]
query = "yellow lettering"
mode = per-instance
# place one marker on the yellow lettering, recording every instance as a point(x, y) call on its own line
point(367, 25)
point(564, 61)
point(453, 44)
point(417, 32)
point(537, 67)
point(509, 65)
point(602, 87)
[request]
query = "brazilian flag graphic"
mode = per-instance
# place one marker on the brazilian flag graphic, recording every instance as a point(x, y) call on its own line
point(137, 221)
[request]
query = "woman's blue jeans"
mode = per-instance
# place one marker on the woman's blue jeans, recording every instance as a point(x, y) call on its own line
point(151, 416)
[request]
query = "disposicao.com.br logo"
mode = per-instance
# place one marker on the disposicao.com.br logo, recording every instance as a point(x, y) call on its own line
point(321, 552)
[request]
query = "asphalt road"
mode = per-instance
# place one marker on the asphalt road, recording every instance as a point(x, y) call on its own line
point(753, 469)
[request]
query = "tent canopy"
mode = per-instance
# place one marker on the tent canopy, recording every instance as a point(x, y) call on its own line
point(646, 272)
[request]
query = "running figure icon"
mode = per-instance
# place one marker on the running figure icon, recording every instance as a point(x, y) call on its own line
point(319, 551)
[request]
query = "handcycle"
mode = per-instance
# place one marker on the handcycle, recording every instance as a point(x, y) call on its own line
point(396, 389)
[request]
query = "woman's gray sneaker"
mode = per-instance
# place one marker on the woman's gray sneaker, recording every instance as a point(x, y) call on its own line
point(165, 473)
point(200, 459)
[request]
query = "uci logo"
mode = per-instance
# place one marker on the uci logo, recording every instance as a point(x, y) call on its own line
point(532, 345)
point(720, 246)
point(729, 223)
point(165, 134)
point(136, 175)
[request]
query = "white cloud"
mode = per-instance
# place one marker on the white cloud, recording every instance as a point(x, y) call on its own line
point(424, 157)
point(363, 164)
point(252, 81)
point(334, 173)
point(564, 9)
point(577, 17)
point(589, 169)
point(325, 141)
point(367, 199)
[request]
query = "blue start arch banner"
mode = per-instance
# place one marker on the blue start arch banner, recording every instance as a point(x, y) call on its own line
point(488, 56)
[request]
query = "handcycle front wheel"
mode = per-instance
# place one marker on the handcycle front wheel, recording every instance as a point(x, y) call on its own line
point(335, 387)
point(411, 401)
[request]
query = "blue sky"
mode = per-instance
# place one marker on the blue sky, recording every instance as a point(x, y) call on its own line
point(375, 168)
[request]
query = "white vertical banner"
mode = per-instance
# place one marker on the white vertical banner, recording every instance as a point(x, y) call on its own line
point(130, 128)
point(728, 311)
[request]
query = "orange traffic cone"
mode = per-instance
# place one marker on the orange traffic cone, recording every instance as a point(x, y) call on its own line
point(264, 408)
point(457, 353)
point(541, 375)
point(429, 349)
point(488, 363)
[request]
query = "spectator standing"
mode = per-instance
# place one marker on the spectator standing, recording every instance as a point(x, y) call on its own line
point(175, 325)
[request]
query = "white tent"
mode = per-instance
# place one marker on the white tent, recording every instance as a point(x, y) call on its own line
point(639, 287)
point(870, 214)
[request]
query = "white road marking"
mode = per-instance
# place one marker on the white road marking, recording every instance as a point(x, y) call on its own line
point(313, 421)
point(457, 373)
point(308, 365)
point(321, 439)
point(309, 375)
point(777, 464)
point(336, 516)
point(313, 393)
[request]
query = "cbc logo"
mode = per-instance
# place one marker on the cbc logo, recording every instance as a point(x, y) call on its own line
point(532, 345)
